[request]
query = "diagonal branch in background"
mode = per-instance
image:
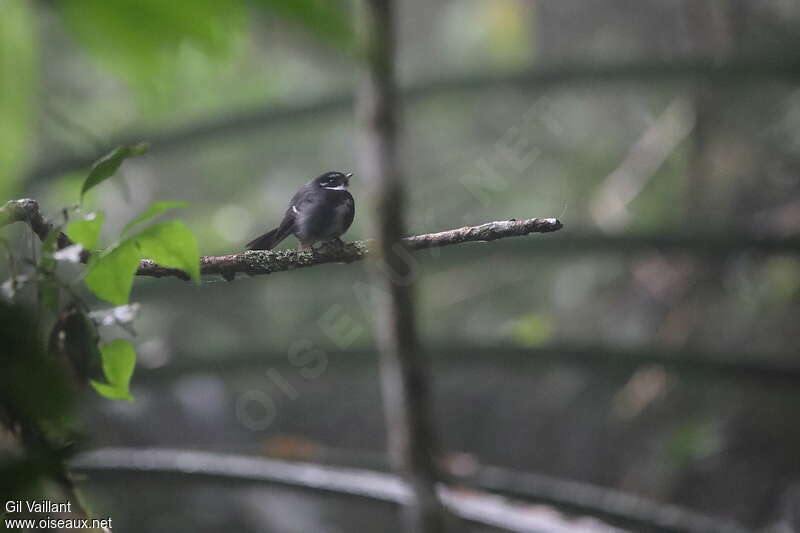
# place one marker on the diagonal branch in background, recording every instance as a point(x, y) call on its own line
point(781, 65)
point(254, 263)
point(609, 206)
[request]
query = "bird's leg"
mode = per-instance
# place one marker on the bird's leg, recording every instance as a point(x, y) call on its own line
point(333, 244)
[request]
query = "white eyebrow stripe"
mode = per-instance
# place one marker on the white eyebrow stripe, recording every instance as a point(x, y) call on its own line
point(296, 212)
point(337, 188)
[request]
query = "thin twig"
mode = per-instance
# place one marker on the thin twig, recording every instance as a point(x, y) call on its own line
point(254, 263)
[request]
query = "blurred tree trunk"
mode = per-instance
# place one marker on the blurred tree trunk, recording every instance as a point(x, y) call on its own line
point(403, 375)
point(715, 30)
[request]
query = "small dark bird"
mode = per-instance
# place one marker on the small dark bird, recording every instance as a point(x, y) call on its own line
point(322, 210)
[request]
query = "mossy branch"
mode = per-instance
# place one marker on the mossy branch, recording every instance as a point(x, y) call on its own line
point(258, 262)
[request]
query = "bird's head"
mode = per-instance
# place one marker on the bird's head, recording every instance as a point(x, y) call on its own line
point(335, 181)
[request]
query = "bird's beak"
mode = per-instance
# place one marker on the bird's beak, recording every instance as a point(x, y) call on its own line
point(348, 176)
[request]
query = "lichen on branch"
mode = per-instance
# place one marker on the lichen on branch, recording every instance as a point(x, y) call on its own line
point(260, 262)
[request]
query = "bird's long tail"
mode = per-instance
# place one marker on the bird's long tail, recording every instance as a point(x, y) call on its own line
point(269, 240)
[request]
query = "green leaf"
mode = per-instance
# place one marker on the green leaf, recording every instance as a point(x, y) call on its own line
point(110, 391)
point(171, 244)
point(110, 274)
point(86, 232)
point(325, 19)
point(107, 166)
point(119, 360)
point(18, 82)
point(154, 210)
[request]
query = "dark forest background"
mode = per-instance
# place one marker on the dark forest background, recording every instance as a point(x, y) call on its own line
point(649, 347)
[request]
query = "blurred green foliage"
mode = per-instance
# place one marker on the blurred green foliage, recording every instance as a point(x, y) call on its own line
point(141, 40)
point(105, 167)
point(138, 39)
point(781, 279)
point(36, 400)
point(18, 87)
point(695, 440)
point(32, 385)
point(119, 360)
point(18, 475)
point(328, 20)
point(498, 31)
point(535, 329)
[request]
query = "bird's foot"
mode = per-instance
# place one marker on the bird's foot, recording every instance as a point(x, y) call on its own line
point(333, 244)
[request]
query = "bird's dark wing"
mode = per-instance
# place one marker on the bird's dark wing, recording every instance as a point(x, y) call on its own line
point(305, 194)
point(271, 239)
point(351, 211)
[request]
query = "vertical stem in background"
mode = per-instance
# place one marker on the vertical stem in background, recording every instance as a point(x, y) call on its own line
point(714, 31)
point(403, 375)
